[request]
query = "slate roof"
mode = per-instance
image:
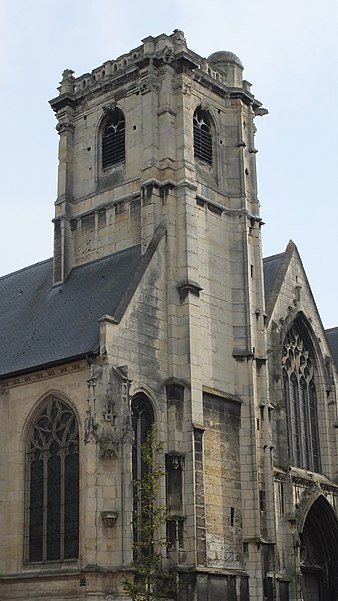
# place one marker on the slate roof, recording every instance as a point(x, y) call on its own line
point(332, 336)
point(41, 324)
point(271, 266)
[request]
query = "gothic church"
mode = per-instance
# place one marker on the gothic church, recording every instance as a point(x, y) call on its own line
point(157, 308)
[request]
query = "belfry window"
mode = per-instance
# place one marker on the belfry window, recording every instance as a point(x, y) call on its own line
point(301, 402)
point(202, 136)
point(52, 485)
point(113, 139)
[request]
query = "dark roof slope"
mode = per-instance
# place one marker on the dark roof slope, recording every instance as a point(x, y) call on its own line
point(41, 324)
point(271, 266)
point(332, 336)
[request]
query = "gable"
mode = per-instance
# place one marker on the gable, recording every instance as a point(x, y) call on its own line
point(288, 294)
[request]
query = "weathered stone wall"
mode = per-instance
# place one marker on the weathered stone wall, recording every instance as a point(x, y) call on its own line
point(223, 514)
point(21, 397)
point(294, 301)
point(190, 336)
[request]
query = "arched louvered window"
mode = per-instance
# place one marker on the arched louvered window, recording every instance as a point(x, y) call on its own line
point(202, 136)
point(113, 139)
point(142, 420)
point(52, 485)
point(301, 401)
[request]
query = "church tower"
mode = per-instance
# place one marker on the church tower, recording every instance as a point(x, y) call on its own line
point(150, 319)
point(157, 152)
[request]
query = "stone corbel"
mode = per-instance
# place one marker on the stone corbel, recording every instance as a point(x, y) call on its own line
point(109, 518)
point(187, 286)
point(65, 126)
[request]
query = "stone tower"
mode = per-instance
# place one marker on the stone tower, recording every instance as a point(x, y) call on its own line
point(157, 150)
point(151, 312)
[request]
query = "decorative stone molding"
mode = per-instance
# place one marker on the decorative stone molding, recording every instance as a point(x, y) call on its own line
point(179, 40)
point(65, 126)
point(182, 87)
point(175, 461)
point(109, 518)
point(150, 84)
point(168, 55)
point(109, 442)
point(3, 393)
point(110, 108)
point(67, 82)
point(108, 419)
point(309, 556)
point(90, 425)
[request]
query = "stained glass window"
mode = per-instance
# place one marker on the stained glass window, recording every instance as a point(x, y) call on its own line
point(143, 419)
point(301, 401)
point(53, 484)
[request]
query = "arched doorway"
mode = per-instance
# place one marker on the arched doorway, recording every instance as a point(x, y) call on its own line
point(319, 553)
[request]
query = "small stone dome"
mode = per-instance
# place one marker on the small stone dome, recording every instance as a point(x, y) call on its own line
point(222, 58)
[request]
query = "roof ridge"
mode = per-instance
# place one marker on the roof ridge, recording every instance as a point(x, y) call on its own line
point(7, 275)
point(276, 256)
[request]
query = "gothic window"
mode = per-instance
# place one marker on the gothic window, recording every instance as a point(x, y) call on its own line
point(301, 402)
point(142, 419)
point(113, 139)
point(202, 136)
point(52, 473)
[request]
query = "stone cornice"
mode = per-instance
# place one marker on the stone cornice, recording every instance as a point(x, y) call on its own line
point(154, 55)
point(44, 374)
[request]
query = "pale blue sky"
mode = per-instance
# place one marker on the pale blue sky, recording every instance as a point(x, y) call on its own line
point(290, 53)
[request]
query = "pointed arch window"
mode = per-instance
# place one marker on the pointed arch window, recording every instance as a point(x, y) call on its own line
point(202, 136)
point(52, 485)
point(113, 139)
point(301, 401)
point(142, 420)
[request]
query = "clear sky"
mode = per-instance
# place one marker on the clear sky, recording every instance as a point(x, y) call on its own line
point(290, 53)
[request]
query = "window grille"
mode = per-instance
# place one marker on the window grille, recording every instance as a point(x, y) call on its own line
point(301, 401)
point(113, 139)
point(53, 485)
point(202, 136)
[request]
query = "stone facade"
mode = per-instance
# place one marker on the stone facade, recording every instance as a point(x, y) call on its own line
point(194, 332)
